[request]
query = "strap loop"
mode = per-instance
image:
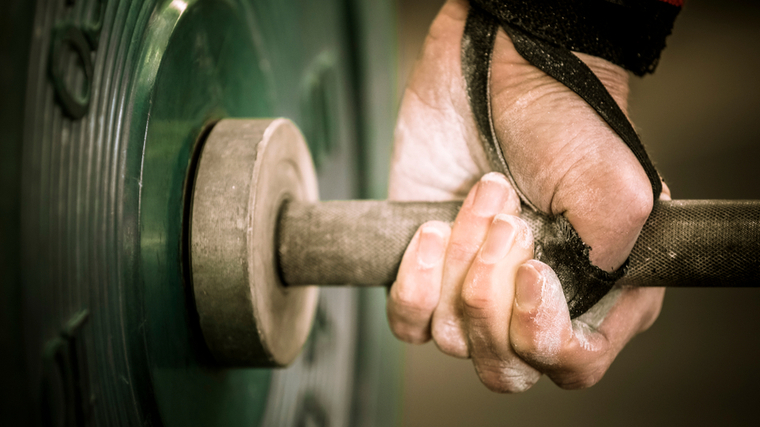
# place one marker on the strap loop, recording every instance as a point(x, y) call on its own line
point(583, 283)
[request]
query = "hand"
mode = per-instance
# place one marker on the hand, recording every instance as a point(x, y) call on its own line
point(473, 287)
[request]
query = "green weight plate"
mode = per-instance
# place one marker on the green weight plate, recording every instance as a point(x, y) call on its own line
point(118, 98)
point(204, 66)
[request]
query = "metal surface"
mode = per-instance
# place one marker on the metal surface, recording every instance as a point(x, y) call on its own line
point(697, 243)
point(246, 170)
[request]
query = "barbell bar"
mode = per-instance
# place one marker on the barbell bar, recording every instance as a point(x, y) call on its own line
point(260, 239)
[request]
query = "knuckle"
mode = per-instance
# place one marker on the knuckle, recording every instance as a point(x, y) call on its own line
point(523, 333)
point(612, 184)
point(523, 235)
point(410, 334)
point(408, 327)
point(475, 305)
point(641, 202)
point(452, 13)
point(579, 381)
point(461, 252)
point(581, 375)
point(420, 299)
point(542, 344)
point(545, 358)
point(502, 377)
point(635, 197)
point(449, 338)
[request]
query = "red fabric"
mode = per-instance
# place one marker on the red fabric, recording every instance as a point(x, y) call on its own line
point(678, 3)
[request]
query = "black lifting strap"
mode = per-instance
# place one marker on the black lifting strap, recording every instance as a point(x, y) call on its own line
point(584, 284)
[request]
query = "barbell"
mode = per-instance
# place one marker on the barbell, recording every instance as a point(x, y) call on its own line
point(259, 238)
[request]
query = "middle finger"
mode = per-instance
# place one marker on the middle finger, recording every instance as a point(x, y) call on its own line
point(491, 196)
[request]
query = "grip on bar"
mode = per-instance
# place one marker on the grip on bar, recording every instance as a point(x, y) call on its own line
point(683, 243)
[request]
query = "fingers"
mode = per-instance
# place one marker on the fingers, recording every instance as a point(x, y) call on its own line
point(574, 354)
point(492, 195)
point(417, 290)
point(541, 321)
point(487, 296)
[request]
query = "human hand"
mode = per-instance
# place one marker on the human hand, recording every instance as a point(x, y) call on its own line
point(472, 287)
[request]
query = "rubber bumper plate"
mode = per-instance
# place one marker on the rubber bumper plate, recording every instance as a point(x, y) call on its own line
point(119, 98)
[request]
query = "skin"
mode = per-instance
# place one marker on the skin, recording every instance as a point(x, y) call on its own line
point(473, 286)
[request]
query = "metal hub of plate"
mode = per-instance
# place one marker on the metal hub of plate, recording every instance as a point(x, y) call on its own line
point(247, 169)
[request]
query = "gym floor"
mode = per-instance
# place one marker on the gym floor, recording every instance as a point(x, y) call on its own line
point(697, 365)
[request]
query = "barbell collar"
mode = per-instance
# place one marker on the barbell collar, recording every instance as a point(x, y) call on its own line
point(246, 170)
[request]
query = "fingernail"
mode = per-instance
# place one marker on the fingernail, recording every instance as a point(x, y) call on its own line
point(529, 287)
point(492, 194)
point(499, 241)
point(431, 246)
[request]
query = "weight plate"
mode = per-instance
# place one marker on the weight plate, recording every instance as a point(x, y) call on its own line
point(110, 333)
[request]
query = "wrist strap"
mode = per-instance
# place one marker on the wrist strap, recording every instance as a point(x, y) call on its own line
point(559, 63)
point(629, 33)
point(583, 283)
point(569, 70)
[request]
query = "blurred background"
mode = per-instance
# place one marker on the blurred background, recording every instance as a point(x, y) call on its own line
point(698, 115)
